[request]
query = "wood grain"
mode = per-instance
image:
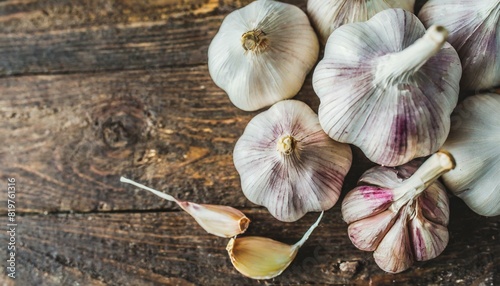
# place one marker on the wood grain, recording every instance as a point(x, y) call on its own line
point(92, 90)
point(153, 248)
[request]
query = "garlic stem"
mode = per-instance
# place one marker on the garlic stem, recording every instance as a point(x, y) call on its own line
point(254, 40)
point(438, 164)
point(308, 232)
point(397, 67)
point(286, 144)
point(158, 193)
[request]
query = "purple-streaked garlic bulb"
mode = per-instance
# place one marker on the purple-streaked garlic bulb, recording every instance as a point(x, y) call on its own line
point(288, 164)
point(388, 87)
point(262, 53)
point(401, 213)
point(474, 31)
point(474, 141)
point(328, 15)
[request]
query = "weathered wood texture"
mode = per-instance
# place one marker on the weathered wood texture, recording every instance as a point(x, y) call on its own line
point(91, 90)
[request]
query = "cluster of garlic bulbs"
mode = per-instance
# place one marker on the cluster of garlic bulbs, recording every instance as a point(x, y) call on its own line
point(387, 85)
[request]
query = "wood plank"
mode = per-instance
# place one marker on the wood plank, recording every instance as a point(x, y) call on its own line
point(153, 248)
point(56, 36)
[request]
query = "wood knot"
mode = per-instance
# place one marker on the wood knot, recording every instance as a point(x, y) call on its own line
point(116, 135)
point(120, 123)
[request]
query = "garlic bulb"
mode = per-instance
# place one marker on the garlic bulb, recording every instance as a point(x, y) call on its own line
point(474, 32)
point(262, 53)
point(388, 87)
point(474, 141)
point(328, 15)
point(288, 164)
point(218, 220)
point(400, 213)
point(263, 258)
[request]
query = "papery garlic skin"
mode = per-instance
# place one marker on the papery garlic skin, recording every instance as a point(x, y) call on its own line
point(474, 141)
point(327, 15)
point(218, 220)
point(388, 87)
point(288, 164)
point(264, 258)
point(262, 53)
point(400, 213)
point(474, 31)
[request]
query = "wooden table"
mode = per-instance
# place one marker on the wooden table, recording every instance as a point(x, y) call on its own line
point(95, 89)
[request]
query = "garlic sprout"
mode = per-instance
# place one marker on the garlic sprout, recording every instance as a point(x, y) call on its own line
point(388, 87)
point(474, 141)
point(264, 258)
point(262, 53)
point(218, 220)
point(288, 164)
point(327, 15)
point(400, 213)
point(474, 32)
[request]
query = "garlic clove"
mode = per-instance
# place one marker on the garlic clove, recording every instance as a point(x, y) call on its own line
point(475, 34)
point(394, 253)
point(473, 139)
point(366, 234)
point(434, 204)
point(429, 239)
point(288, 164)
point(260, 257)
point(365, 201)
point(218, 220)
point(264, 258)
point(388, 87)
point(328, 15)
point(262, 53)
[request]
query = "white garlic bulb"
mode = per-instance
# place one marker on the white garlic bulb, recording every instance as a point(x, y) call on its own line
point(288, 164)
point(388, 87)
point(400, 213)
point(327, 15)
point(474, 32)
point(262, 53)
point(474, 141)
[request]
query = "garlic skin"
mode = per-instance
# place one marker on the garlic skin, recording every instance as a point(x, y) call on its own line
point(218, 220)
point(328, 15)
point(401, 214)
point(288, 164)
point(475, 34)
point(264, 258)
point(262, 53)
point(474, 141)
point(388, 87)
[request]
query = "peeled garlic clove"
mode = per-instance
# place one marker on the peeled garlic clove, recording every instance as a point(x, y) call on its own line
point(218, 220)
point(474, 141)
point(288, 164)
point(264, 258)
point(394, 253)
point(474, 32)
point(428, 239)
point(388, 87)
point(367, 233)
point(365, 201)
point(411, 222)
point(262, 53)
point(327, 15)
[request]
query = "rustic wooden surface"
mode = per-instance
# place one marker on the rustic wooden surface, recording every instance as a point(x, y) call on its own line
point(95, 89)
